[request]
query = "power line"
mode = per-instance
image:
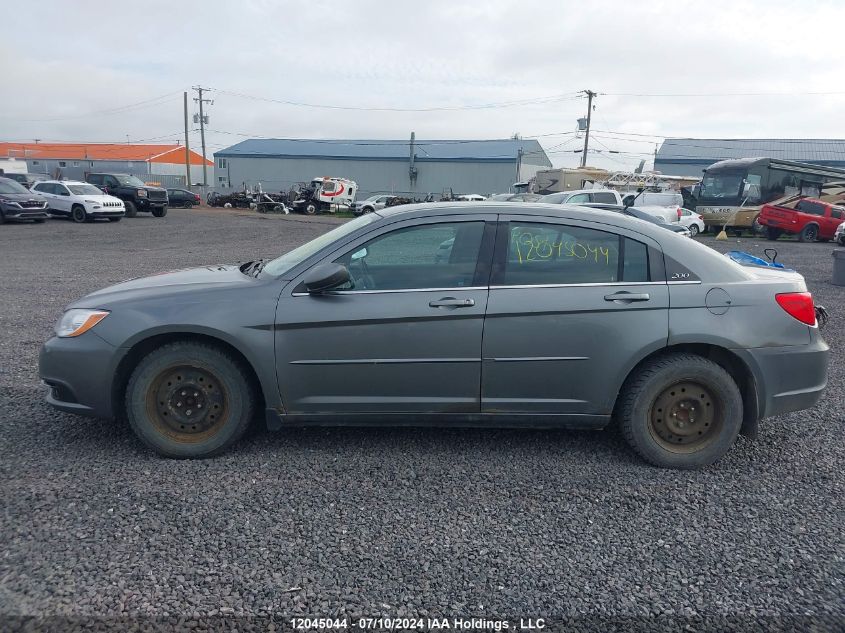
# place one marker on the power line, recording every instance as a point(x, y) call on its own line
point(722, 94)
point(482, 106)
point(140, 105)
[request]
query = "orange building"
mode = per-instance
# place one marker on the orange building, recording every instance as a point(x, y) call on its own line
point(161, 164)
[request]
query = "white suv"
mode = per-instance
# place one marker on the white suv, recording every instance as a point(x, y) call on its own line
point(79, 200)
point(839, 235)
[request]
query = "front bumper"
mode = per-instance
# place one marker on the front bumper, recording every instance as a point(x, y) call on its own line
point(789, 378)
point(110, 213)
point(14, 213)
point(79, 373)
point(145, 204)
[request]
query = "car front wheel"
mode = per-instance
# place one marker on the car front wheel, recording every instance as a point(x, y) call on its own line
point(77, 214)
point(189, 399)
point(131, 209)
point(160, 212)
point(680, 411)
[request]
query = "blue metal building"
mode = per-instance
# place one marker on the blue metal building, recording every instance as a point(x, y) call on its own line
point(411, 168)
point(689, 156)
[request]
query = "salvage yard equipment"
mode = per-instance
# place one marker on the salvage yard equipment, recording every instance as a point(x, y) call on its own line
point(325, 193)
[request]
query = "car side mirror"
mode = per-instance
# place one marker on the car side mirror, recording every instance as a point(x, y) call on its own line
point(325, 277)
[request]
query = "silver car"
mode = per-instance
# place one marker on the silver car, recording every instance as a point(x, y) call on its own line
point(839, 234)
point(373, 203)
point(500, 314)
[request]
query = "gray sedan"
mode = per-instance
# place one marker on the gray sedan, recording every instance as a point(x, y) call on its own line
point(524, 315)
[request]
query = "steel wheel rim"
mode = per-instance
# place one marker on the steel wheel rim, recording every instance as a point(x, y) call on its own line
point(685, 417)
point(186, 403)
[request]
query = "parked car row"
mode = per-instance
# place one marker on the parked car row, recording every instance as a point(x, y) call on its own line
point(102, 196)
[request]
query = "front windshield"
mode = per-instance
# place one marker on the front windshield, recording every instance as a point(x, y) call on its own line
point(10, 186)
point(84, 190)
point(720, 186)
point(283, 264)
point(130, 181)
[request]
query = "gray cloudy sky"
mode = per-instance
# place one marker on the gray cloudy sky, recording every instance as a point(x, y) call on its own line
point(71, 70)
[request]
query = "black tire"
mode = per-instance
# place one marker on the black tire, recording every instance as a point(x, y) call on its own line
point(208, 376)
point(115, 219)
point(841, 239)
point(809, 233)
point(160, 212)
point(311, 208)
point(78, 215)
point(772, 233)
point(131, 209)
point(705, 420)
point(188, 205)
point(693, 230)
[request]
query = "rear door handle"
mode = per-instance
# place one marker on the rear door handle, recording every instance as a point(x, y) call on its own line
point(451, 302)
point(627, 297)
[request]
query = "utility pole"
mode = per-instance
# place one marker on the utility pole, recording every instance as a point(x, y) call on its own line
point(200, 100)
point(187, 144)
point(590, 94)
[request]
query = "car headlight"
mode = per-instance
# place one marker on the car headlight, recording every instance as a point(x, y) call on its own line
point(142, 193)
point(78, 321)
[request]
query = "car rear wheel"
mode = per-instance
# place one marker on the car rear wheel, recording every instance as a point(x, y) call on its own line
point(773, 233)
point(77, 214)
point(809, 233)
point(680, 411)
point(188, 205)
point(189, 400)
point(131, 209)
point(693, 230)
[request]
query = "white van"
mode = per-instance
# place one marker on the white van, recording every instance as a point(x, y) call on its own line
point(656, 199)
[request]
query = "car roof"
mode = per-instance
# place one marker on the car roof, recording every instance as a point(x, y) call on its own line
point(565, 211)
point(63, 182)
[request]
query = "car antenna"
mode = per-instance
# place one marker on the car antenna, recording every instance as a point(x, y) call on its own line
point(630, 201)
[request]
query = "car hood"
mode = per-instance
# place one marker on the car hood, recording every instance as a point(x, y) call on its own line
point(169, 283)
point(101, 198)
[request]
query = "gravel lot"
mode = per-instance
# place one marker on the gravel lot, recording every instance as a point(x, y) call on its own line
point(392, 522)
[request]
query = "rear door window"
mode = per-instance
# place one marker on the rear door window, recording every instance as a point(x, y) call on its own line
point(557, 254)
point(578, 198)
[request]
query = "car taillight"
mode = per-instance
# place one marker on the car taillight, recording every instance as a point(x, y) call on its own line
point(798, 305)
point(679, 213)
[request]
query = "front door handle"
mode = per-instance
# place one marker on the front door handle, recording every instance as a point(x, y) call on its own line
point(451, 302)
point(627, 297)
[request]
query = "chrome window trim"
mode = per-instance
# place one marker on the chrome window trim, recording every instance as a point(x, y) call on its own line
point(378, 292)
point(584, 285)
point(505, 287)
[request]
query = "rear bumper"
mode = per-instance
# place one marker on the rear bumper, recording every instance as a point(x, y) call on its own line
point(72, 389)
point(789, 378)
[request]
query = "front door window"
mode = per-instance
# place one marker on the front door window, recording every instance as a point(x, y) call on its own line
point(427, 256)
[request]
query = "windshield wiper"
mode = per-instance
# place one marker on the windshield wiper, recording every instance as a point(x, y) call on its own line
point(253, 268)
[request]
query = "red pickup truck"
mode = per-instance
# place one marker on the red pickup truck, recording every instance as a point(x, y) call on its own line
point(810, 220)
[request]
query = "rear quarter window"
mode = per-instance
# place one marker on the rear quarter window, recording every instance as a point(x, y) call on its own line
point(605, 197)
